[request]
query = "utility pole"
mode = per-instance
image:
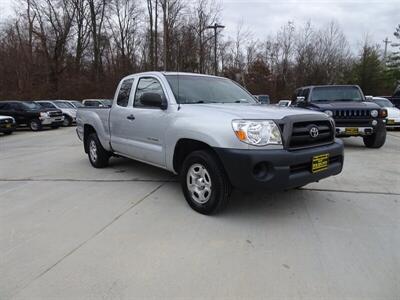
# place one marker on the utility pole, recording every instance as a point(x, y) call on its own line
point(215, 27)
point(386, 42)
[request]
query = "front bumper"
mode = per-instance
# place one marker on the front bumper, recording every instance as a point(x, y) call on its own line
point(8, 127)
point(361, 131)
point(278, 169)
point(393, 122)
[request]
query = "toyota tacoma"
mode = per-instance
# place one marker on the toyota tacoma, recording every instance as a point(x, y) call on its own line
point(213, 133)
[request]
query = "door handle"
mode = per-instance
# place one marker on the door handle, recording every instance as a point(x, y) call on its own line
point(131, 117)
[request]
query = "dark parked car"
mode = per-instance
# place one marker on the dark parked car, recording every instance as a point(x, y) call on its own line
point(395, 98)
point(347, 105)
point(32, 114)
point(7, 124)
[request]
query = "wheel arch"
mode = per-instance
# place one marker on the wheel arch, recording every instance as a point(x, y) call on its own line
point(184, 147)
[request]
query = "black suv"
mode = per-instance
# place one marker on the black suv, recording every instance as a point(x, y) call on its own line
point(346, 104)
point(31, 114)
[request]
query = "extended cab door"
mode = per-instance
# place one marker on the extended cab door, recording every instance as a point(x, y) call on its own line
point(145, 126)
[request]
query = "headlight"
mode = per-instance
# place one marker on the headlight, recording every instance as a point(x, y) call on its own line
point(374, 113)
point(44, 115)
point(257, 132)
point(329, 113)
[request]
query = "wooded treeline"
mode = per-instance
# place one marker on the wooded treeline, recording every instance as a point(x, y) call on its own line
point(75, 49)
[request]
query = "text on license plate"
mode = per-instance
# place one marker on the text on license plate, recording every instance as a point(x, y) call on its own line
point(320, 163)
point(351, 131)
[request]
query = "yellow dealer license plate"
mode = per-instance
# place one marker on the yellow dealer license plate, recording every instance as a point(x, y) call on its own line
point(390, 121)
point(8, 125)
point(351, 131)
point(320, 163)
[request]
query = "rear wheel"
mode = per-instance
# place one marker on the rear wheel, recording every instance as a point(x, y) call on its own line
point(35, 125)
point(204, 183)
point(377, 139)
point(98, 156)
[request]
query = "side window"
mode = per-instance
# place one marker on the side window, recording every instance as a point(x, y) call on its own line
point(124, 92)
point(147, 85)
point(305, 93)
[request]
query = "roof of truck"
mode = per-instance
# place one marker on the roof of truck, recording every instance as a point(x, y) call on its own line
point(327, 85)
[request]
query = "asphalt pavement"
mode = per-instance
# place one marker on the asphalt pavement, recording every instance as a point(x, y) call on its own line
point(69, 231)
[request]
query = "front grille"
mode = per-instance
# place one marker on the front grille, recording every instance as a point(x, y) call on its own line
point(301, 137)
point(350, 113)
point(55, 113)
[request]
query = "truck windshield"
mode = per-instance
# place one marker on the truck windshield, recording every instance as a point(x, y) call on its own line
point(194, 89)
point(336, 93)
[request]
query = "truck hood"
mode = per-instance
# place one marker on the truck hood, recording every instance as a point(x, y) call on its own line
point(247, 111)
point(345, 105)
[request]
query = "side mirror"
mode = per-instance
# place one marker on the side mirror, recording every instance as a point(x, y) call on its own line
point(152, 100)
point(369, 98)
point(300, 100)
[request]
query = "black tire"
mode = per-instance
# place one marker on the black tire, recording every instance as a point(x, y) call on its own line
point(67, 121)
point(35, 125)
point(55, 126)
point(377, 139)
point(98, 156)
point(8, 132)
point(218, 189)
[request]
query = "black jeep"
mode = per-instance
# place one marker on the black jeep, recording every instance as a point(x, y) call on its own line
point(346, 104)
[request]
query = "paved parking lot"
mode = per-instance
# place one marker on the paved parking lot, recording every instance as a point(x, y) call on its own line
point(69, 231)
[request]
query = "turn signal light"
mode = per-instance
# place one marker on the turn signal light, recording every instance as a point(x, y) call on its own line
point(241, 135)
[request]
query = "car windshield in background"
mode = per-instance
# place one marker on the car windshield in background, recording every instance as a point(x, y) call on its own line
point(194, 89)
point(384, 103)
point(107, 102)
point(31, 105)
point(336, 93)
point(64, 105)
point(77, 104)
point(46, 104)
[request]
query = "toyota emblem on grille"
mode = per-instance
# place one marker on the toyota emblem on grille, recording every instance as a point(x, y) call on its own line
point(314, 132)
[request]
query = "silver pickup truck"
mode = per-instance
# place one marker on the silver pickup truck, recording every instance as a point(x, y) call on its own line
point(213, 134)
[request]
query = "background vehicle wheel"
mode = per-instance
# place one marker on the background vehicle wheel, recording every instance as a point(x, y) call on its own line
point(377, 139)
point(204, 183)
point(67, 121)
point(35, 125)
point(98, 156)
point(55, 126)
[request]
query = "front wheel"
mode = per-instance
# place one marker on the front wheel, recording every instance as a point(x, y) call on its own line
point(204, 182)
point(35, 125)
point(377, 139)
point(98, 156)
point(67, 121)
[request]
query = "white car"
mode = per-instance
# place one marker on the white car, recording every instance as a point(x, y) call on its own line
point(67, 109)
point(74, 103)
point(393, 118)
point(284, 103)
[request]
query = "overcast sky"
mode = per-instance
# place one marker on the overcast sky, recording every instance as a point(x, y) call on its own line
point(357, 18)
